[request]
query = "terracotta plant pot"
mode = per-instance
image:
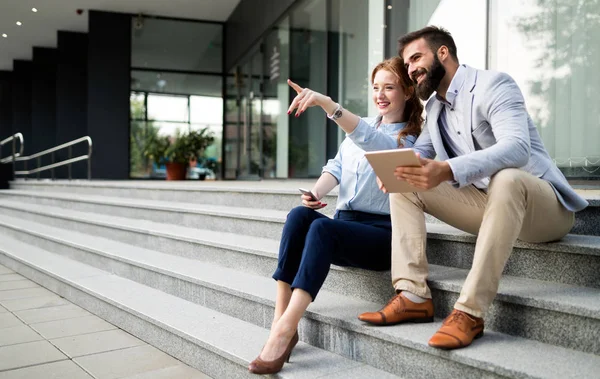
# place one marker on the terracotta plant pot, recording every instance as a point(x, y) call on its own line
point(176, 171)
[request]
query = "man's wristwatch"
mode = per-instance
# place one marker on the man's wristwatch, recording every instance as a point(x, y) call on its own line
point(337, 113)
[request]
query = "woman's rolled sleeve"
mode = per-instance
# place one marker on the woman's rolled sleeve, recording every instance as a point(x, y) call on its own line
point(370, 138)
point(334, 166)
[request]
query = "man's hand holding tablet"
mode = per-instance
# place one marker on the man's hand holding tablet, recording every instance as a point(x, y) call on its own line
point(427, 176)
point(402, 170)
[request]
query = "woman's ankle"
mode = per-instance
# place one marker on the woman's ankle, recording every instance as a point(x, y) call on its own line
point(284, 329)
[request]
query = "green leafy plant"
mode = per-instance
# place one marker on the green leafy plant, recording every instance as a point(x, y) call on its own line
point(180, 148)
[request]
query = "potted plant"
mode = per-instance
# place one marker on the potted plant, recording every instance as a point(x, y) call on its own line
point(177, 151)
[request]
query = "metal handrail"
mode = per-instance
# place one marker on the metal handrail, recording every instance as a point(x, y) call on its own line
point(14, 154)
point(53, 165)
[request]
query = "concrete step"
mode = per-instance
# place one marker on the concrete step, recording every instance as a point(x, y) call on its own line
point(574, 260)
point(254, 221)
point(201, 337)
point(587, 221)
point(280, 195)
point(191, 331)
point(554, 313)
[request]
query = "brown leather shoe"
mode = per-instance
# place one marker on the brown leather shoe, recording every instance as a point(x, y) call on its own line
point(458, 330)
point(399, 310)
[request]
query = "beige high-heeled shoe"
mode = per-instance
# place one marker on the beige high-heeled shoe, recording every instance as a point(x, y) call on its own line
point(259, 366)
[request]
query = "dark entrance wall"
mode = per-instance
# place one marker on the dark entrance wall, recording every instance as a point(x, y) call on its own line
point(21, 101)
point(71, 99)
point(43, 104)
point(109, 61)
point(5, 104)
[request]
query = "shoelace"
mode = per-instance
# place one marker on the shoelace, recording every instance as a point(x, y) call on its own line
point(459, 318)
point(395, 298)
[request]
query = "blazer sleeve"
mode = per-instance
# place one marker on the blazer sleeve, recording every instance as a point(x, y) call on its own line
point(504, 109)
point(423, 144)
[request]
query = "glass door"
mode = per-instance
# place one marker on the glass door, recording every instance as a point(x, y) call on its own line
point(250, 126)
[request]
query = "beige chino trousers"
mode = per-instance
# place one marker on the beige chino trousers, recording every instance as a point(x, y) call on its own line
point(517, 205)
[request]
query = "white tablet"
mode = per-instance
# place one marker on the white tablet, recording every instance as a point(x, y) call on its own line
point(384, 163)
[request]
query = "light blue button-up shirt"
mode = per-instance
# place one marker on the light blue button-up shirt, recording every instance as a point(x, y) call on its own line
point(358, 185)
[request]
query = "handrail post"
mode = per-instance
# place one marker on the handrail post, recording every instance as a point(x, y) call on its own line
point(52, 169)
point(14, 148)
point(89, 160)
point(69, 163)
point(39, 164)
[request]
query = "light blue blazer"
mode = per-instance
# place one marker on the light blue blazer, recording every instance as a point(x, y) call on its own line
point(503, 136)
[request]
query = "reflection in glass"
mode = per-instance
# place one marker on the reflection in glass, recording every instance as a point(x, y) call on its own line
point(255, 112)
point(176, 45)
point(276, 99)
point(175, 83)
point(308, 59)
point(552, 50)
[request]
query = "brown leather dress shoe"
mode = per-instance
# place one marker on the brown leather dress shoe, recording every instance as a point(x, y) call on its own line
point(458, 330)
point(399, 310)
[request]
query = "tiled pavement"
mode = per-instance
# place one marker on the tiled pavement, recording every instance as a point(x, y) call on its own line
point(44, 336)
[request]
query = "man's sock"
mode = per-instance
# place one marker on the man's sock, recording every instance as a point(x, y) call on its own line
point(414, 298)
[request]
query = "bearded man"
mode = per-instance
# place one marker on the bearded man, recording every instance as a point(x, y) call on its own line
point(493, 178)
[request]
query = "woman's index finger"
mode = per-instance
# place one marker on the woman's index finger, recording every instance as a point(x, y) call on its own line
point(296, 87)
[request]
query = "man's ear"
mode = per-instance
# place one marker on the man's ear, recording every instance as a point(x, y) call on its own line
point(443, 53)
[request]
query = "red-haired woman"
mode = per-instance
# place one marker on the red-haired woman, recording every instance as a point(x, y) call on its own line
point(359, 235)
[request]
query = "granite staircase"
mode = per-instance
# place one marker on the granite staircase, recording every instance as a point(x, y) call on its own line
point(186, 267)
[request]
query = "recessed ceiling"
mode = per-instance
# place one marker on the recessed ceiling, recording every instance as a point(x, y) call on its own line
point(40, 28)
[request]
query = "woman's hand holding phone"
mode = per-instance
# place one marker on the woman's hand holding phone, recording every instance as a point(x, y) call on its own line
point(309, 200)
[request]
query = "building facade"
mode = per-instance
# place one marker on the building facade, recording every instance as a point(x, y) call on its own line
point(133, 77)
point(548, 47)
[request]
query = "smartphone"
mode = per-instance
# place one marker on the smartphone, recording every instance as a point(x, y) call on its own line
point(308, 193)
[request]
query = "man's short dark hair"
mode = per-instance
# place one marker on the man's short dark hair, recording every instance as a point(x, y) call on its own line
point(435, 37)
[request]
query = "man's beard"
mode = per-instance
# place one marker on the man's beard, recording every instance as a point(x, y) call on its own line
point(432, 80)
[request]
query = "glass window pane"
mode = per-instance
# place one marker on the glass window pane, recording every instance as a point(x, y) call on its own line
point(231, 132)
point(352, 31)
point(176, 45)
point(308, 52)
point(171, 128)
point(137, 106)
point(185, 84)
point(557, 73)
point(168, 108)
point(276, 100)
point(141, 134)
point(206, 110)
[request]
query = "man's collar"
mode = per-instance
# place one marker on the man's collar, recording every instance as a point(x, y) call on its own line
point(455, 86)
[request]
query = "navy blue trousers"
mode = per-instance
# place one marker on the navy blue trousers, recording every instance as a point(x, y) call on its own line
point(311, 242)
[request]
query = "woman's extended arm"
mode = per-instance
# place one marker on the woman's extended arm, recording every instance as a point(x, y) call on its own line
point(309, 98)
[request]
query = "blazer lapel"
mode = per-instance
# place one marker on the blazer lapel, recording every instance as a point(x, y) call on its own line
point(434, 131)
point(468, 98)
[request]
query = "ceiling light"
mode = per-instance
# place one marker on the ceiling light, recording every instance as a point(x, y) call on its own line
point(34, 10)
point(389, 7)
point(19, 23)
point(4, 35)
